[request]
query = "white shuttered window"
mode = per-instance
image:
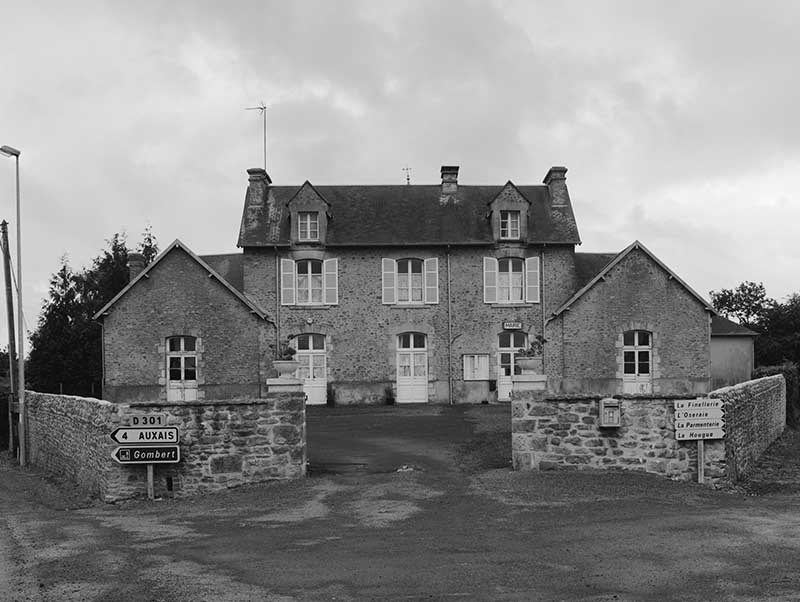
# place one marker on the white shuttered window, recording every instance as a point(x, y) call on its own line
point(309, 282)
point(410, 281)
point(511, 280)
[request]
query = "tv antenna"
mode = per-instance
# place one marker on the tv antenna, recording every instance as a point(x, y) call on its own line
point(407, 169)
point(263, 108)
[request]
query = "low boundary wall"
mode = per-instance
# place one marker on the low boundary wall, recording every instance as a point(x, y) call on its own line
point(562, 432)
point(223, 443)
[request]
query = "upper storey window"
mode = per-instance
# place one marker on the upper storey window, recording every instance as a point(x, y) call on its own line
point(309, 282)
point(410, 281)
point(510, 280)
point(509, 225)
point(308, 226)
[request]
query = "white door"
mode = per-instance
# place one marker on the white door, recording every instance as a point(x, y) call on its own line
point(181, 369)
point(508, 344)
point(636, 374)
point(412, 368)
point(313, 368)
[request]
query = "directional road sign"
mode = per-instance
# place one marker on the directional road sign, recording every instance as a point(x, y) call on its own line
point(143, 420)
point(691, 434)
point(698, 404)
point(155, 435)
point(140, 454)
point(699, 423)
point(700, 414)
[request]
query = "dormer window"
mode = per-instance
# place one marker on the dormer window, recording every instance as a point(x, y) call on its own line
point(307, 226)
point(509, 225)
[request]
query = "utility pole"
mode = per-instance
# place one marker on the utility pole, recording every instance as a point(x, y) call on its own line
point(263, 108)
point(12, 347)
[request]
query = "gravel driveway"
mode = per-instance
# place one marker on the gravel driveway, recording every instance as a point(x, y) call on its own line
point(416, 504)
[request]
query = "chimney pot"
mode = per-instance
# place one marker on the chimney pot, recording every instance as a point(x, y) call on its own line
point(135, 265)
point(258, 182)
point(257, 174)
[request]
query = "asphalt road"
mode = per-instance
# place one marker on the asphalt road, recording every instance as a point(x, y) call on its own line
point(404, 504)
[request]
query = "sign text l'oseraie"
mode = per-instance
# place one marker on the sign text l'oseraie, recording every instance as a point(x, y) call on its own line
point(162, 454)
point(130, 436)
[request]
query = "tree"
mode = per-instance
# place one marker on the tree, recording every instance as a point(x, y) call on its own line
point(66, 354)
point(780, 341)
point(748, 303)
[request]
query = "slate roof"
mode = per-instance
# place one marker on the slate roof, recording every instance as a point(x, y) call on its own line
point(588, 265)
point(225, 261)
point(723, 327)
point(229, 267)
point(593, 259)
point(405, 215)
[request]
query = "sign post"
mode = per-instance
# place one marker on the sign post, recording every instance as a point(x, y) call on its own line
point(698, 420)
point(147, 441)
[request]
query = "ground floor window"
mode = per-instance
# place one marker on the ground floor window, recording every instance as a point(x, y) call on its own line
point(476, 367)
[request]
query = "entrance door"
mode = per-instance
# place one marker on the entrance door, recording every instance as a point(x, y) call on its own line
point(412, 368)
point(508, 344)
point(181, 368)
point(312, 370)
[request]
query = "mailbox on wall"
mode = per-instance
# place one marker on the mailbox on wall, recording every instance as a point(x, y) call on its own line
point(609, 413)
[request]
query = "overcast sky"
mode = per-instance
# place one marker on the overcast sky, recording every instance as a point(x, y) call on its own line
point(678, 121)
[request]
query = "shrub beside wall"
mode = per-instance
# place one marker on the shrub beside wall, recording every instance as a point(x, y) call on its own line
point(223, 443)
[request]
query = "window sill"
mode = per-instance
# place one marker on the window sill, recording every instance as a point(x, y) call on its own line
point(308, 306)
point(410, 305)
point(512, 304)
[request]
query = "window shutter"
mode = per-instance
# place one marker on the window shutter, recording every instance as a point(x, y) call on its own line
point(532, 280)
point(287, 281)
point(489, 280)
point(330, 275)
point(432, 280)
point(388, 281)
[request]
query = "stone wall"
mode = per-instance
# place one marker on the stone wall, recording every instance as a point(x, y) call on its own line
point(562, 432)
point(755, 415)
point(222, 443)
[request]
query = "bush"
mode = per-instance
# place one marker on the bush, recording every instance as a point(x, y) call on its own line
point(330, 395)
point(792, 375)
point(388, 395)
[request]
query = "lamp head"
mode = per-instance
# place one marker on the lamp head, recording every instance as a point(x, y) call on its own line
point(9, 151)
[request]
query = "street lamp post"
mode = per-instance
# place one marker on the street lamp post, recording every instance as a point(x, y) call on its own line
point(9, 151)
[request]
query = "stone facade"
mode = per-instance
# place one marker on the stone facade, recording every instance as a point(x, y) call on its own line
point(178, 297)
point(559, 432)
point(584, 353)
point(223, 443)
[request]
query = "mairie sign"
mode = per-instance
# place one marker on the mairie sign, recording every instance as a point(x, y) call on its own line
point(140, 454)
point(130, 436)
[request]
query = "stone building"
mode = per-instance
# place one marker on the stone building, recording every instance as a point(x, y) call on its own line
point(420, 293)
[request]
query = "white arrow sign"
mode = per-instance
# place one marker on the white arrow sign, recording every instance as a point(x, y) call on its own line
point(709, 414)
point(690, 434)
point(699, 423)
point(130, 436)
point(698, 404)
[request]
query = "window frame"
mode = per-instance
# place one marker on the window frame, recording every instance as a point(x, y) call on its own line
point(184, 355)
point(479, 369)
point(289, 288)
point(308, 226)
point(507, 225)
point(390, 288)
point(531, 280)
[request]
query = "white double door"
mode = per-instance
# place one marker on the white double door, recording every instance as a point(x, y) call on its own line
point(313, 367)
point(412, 368)
point(509, 343)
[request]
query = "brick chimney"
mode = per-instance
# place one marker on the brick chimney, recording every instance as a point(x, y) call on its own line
point(135, 265)
point(449, 180)
point(556, 181)
point(259, 181)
